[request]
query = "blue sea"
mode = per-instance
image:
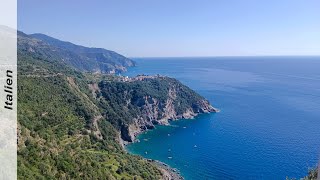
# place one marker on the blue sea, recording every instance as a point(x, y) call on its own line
point(268, 127)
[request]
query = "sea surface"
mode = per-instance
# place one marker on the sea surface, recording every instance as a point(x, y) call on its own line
point(268, 127)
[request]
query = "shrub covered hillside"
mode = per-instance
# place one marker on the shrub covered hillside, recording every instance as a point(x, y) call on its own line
point(62, 134)
point(79, 57)
point(72, 123)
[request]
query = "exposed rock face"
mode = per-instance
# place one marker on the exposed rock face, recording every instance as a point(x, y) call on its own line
point(151, 100)
point(152, 115)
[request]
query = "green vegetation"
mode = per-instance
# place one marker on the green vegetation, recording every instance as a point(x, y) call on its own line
point(79, 57)
point(123, 101)
point(56, 138)
point(57, 135)
point(71, 122)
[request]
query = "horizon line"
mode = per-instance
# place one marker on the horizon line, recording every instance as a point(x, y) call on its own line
point(226, 56)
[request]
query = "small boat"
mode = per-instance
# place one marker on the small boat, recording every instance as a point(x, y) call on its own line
point(195, 146)
point(169, 157)
point(146, 152)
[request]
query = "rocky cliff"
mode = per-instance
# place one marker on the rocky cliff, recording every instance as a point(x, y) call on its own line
point(150, 100)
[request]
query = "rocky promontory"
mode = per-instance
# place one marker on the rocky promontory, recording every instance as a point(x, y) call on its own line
point(145, 101)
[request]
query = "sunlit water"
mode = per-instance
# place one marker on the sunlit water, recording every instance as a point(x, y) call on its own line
point(268, 127)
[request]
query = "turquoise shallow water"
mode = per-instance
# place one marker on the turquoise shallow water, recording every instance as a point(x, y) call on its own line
point(268, 127)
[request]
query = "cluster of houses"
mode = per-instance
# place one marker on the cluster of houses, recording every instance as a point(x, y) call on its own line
point(139, 77)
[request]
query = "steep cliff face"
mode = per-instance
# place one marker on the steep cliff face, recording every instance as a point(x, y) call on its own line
point(155, 112)
point(148, 101)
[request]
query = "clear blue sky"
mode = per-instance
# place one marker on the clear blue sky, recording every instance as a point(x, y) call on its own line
point(139, 28)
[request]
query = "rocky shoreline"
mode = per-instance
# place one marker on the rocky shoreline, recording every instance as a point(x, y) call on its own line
point(169, 173)
point(135, 129)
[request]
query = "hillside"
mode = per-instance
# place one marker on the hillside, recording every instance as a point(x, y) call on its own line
point(97, 60)
point(62, 135)
point(71, 123)
point(134, 105)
